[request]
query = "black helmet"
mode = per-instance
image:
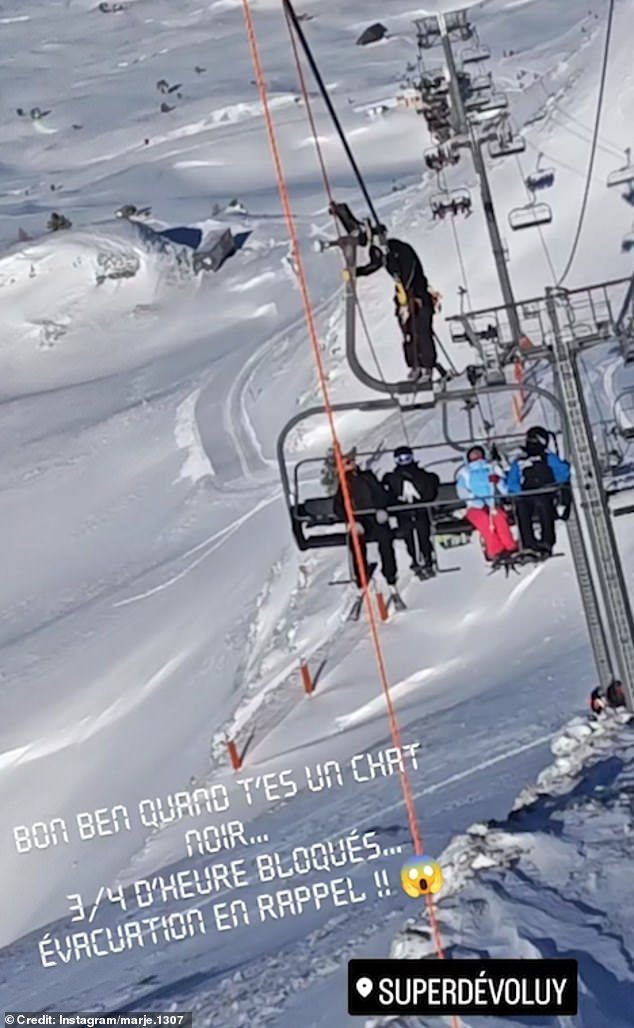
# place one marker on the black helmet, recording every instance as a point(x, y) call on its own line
point(537, 434)
point(404, 455)
point(476, 450)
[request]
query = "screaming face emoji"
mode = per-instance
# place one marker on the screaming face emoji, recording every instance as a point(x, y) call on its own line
point(421, 875)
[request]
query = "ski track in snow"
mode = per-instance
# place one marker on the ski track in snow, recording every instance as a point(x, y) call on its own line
point(197, 464)
point(209, 546)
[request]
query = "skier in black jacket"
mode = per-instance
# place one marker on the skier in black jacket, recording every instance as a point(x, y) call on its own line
point(413, 301)
point(414, 304)
point(367, 493)
point(409, 483)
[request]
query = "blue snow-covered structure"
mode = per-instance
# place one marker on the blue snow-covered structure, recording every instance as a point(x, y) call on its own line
point(210, 250)
point(205, 247)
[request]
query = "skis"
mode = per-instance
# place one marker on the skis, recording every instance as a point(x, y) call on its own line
point(350, 581)
point(395, 600)
point(513, 561)
point(355, 611)
point(422, 572)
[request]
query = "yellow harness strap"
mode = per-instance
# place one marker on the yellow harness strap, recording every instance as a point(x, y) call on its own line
point(401, 295)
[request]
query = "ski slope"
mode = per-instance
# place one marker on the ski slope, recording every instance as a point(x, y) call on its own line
point(152, 596)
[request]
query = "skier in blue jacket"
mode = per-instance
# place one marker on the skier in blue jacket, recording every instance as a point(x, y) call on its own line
point(480, 482)
point(539, 471)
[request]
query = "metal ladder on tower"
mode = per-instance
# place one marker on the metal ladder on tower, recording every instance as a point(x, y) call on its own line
point(607, 564)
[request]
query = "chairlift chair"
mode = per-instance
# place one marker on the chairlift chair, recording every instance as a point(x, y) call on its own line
point(439, 157)
point(456, 201)
point(502, 142)
point(504, 145)
point(494, 103)
point(624, 175)
point(475, 54)
point(530, 215)
point(624, 414)
point(541, 178)
point(627, 243)
point(481, 82)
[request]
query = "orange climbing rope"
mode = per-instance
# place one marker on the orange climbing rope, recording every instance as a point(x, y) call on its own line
point(347, 499)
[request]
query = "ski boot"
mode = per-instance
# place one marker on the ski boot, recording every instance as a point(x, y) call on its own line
point(396, 600)
point(424, 571)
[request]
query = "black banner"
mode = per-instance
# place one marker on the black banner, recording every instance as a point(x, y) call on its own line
point(502, 987)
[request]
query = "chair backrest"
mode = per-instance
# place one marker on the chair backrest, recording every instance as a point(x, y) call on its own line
point(447, 491)
point(321, 507)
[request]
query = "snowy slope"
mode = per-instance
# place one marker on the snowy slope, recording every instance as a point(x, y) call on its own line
point(152, 594)
point(552, 878)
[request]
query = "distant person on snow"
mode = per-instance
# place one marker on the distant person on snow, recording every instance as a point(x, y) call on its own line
point(367, 493)
point(414, 305)
point(410, 483)
point(538, 468)
point(480, 482)
point(613, 697)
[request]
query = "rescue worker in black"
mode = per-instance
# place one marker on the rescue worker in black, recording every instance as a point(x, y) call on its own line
point(367, 493)
point(408, 482)
point(414, 302)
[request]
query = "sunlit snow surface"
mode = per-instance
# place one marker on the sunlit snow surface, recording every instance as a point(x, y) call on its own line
point(152, 596)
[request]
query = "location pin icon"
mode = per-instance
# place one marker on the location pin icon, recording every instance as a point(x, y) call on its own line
point(364, 987)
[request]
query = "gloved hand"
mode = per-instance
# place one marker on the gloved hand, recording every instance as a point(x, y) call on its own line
point(358, 528)
point(494, 479)
point(382, 517)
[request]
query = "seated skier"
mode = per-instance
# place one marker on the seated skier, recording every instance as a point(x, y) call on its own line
point(612, 698)
point(535, 470)
point(414, 302)
point(408, 482)
point(481, 482)
point(367, 493)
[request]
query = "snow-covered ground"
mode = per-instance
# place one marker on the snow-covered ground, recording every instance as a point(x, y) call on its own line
point(552, 879)
point(152, 596)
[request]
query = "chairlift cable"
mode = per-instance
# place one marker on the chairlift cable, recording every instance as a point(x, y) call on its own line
point(366, 332)
point(309, 111)
point(593, 148)
point(329, 193)
point(463, 271)
point(299, 32)
point(549, 259)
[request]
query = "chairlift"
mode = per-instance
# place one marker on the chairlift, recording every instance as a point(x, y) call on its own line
point(453, 202)
point(481, 82)
point(314, 522)
point(433, 84)
point(496, 102)
point(530, 215)
point(541, 178)
point(627, 243)
point(624, 175)
point(505, 143)
point(624, 414)
point(439, 157)
point(475, 54)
